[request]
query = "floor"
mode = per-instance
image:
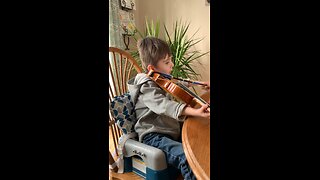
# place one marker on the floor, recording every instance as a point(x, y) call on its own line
point(124, 176)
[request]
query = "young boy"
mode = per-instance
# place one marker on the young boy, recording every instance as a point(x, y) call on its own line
point(158, 115)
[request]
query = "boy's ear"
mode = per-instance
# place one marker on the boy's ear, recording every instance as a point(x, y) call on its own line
point(150, 67)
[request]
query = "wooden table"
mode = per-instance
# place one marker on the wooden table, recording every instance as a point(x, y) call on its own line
point(196, 143)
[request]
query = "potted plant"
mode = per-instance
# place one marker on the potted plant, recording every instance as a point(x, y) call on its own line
point(180, 45)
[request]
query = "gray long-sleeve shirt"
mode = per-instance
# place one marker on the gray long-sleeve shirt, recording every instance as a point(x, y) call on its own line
point(156, 111)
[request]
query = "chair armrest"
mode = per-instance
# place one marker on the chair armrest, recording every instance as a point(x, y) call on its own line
point(154, 158)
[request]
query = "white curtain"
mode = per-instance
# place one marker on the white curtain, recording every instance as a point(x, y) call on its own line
point(115, 37)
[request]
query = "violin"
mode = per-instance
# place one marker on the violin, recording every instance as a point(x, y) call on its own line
point(177, 90)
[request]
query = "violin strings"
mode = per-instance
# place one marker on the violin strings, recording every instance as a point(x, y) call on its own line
point(188, 90)
point(172, 77)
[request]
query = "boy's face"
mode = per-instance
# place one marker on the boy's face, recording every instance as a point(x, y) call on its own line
point(164, 65)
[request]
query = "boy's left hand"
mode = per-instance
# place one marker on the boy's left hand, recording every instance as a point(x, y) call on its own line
point(202, 111)
point(207, 87)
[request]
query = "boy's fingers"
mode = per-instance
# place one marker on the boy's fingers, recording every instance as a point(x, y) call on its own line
point(204, 107)
point(207, 114)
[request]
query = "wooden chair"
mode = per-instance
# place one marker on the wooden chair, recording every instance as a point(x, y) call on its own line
point(122, 67)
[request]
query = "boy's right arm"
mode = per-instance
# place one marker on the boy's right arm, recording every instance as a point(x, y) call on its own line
point(156, 100)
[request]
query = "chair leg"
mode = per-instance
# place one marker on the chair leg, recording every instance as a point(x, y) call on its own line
point(111, 161)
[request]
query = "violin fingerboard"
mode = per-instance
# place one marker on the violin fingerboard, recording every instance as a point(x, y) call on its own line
point(199, 99)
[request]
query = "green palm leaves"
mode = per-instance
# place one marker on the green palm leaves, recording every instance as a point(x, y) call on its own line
point(182, 51)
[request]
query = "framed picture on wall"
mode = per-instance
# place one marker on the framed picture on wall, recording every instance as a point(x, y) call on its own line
point(127, 4)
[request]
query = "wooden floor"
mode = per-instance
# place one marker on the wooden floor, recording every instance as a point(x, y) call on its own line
point(124, 176)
